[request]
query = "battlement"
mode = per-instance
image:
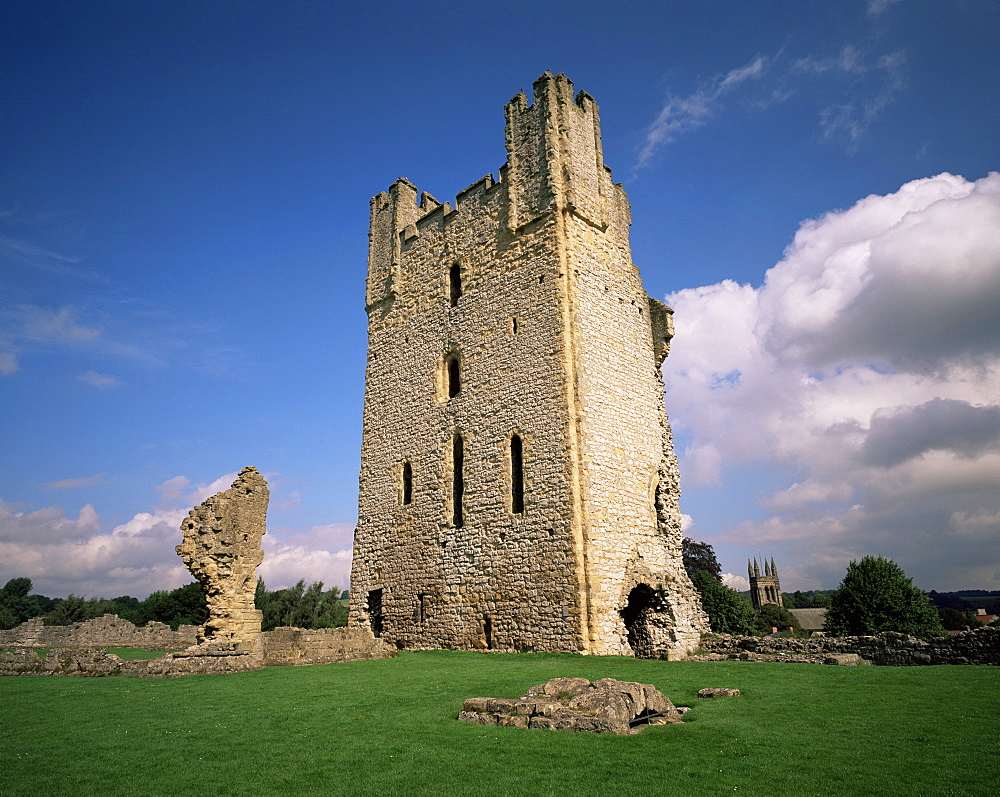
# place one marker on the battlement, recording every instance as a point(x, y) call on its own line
point(555, 165)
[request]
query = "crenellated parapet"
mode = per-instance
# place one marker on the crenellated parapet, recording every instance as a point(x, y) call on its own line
point(555, 166)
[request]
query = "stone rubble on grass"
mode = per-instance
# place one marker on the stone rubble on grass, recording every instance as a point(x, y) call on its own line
point(719, 692)
point(576, 704)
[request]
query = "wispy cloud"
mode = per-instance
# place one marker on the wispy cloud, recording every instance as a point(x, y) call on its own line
point(684, 114)
point(100, 381)
point(8, 363)
point(47, 326)
point(876, 84)
point(25, 253)
point(849, 90)
point(83, 481)
point(878, 7)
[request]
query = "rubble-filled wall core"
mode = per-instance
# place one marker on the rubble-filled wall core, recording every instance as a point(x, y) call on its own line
point(518, 484)
point(221, 548)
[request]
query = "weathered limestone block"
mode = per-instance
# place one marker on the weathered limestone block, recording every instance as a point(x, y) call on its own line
point(576, 704)
point(221, 548)
point(719, 692)
point(845, 659)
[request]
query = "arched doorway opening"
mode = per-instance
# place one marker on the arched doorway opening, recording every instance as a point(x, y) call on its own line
point(637, 615)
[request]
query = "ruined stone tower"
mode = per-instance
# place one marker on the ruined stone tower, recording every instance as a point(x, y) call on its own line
point(518, 483)
point(764, 588)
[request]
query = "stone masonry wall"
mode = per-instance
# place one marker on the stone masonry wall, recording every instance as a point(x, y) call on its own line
point(554, 340)
point(107, 631)
point(978, 646)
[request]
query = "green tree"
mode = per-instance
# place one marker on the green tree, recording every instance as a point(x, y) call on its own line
point(876, 596)
point(16, 588)
point(699, 557)
point(7, 618)
point(183, 606)
point(728, 612)
point(773, 616)
point(953, 619)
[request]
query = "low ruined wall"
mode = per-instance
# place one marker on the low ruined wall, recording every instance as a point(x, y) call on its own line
point(107, 631)
point(281, 646)
point(95, 663)
point(286, 645)
point(978, 646)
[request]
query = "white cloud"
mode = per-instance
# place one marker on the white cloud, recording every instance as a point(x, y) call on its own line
point(100, 381)
point(59, 326)
point(321, 553)
point(867, 365)
point(877, 7)
point(179, 490)
point(62, 554)
point(8, 363)
point(738, 583)
point(82, 481)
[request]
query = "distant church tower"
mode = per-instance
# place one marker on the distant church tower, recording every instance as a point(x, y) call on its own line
point(764, 588)
point(518, 486)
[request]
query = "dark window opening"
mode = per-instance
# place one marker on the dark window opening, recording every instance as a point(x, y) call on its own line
point(422, 598)
point(516, 475)
point(375, 611)
point(455, 284)
point(513, 326)
point(454, 367)
point(407, 483)
point(541, 278)
point(488, 631)
point(458, 480)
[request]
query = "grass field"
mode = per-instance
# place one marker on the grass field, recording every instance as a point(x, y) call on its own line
point(388, 728)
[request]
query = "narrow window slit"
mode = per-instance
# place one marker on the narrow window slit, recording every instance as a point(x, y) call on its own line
point(454, 367)
point(516, 475)
point(458, 480)
point(407, 483)
point(455, 284)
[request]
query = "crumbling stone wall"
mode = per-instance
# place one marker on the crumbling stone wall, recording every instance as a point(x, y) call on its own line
point(978, 646)
point(296, 646)
point(518, 482)
point(109, 630)
point(221, 548)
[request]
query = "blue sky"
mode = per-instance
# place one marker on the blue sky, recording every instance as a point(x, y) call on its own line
point(183, 220)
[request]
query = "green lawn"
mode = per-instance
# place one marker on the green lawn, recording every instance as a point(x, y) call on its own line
point(388, 728)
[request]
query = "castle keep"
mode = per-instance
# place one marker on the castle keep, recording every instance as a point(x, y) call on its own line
point(518, 483)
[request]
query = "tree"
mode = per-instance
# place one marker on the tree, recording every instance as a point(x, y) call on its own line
point(771, 615)
point(876, 596)
point(699, 557)
point(183, 606)
point(16, 588)
point(728, 612)
point(953, 619)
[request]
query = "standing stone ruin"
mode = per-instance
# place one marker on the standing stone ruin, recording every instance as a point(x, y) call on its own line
point(221, 548)
point(519, 488)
